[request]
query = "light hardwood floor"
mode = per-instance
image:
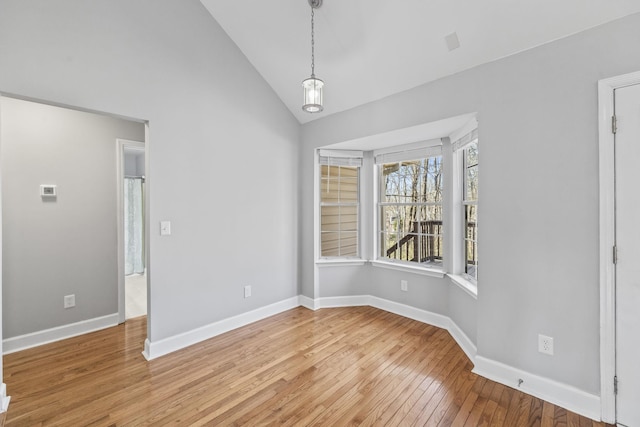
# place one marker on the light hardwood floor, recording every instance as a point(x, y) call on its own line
point(332, 367)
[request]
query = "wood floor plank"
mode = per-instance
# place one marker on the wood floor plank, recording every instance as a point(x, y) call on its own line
point(343, 366)
point(548, 414)
point(420, 396)
point(498, 419)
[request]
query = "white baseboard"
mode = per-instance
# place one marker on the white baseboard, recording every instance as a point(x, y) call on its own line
point(307, 302)
point(347, 301)
point(34, 339)
point(4, 399)
point(560, 394)
point(463, 341)
point(155, 349)
point(414, 313)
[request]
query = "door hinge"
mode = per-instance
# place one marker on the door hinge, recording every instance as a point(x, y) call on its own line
point(615, 254)
point(614, 124)
point(615, 385)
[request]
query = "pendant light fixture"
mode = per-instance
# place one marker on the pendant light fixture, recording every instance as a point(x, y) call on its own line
point(312, 87)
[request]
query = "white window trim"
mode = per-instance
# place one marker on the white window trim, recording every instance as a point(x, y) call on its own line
point(343, 155)
point(328, 262)
point(404, 266)
point(458, 275)
point(429, 148)
point(463, 282)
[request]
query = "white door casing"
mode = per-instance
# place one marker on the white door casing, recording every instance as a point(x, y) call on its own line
point(606, 169)
point(627, 234)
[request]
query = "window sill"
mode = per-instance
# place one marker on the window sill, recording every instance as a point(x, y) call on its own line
point(328, 262)
point(409, 268)
point(464, 284)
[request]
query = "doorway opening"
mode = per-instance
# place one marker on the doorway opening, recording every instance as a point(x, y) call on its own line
point(133, 212)
point(59, 236)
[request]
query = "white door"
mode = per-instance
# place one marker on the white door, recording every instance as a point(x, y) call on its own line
point(627, 158)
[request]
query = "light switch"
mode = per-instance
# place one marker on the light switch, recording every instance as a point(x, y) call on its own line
point(165, 228)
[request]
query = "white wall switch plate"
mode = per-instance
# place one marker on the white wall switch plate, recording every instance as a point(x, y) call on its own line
point(247, 291)
point(70, 301)
point(404, 286)
point(165, 228)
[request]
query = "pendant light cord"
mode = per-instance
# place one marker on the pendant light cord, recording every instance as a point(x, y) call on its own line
point(313, 58)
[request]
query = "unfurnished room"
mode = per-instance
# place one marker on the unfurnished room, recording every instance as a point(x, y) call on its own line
point(319, 213)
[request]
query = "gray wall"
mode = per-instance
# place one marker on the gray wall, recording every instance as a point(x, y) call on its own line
point(538, 194)
point(67, 245)
point(222, 147)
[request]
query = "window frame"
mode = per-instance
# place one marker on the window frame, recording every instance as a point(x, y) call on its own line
point(346, 158)
point(424, 150)
point(466, 203)
point(462, 138)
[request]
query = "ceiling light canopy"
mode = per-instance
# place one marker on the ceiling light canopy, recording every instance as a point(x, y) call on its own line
point(312, 87)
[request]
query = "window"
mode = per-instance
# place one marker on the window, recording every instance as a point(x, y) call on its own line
point(410, 206)
point(339, 204)
point(467, 154)
point(420, 205)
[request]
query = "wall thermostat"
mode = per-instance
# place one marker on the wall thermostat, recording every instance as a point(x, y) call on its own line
point(48, 190)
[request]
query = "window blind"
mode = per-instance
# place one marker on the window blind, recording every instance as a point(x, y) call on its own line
point(413, 154)
point(340, 157)
point(465, 140)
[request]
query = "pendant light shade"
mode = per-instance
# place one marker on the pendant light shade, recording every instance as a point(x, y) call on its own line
point(312, 88)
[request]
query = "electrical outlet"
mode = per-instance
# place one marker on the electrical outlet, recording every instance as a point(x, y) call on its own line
point(69, 301)
point(247, 291)
point(545, 344)
point(404, 286)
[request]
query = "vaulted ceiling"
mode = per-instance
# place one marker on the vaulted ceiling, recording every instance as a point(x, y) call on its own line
point(370, 49)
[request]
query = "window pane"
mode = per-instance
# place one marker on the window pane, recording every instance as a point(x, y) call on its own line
point(339, 244)
point(330, 242)
point(470, 219)
point(338, 211)
point(431, 191)
point(433, 255)
point(471, 172)
point(471, 238)
point(471, 184)
point(471, 154)
point(348, 218)
point(348, 190)
point(470, 177)
point(471, 258)
point(329, 190)
point(411, 220)
point(349, 244)
point(338, 184)
point(330, 218)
